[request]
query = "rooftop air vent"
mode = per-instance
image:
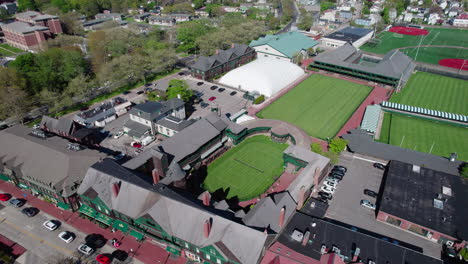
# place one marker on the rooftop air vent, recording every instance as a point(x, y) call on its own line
point(438, 204)
point(297, 235)
point(416, 168)
point(447, 190)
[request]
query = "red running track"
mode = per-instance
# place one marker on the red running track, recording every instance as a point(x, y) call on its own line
point(145, 251)
point(455, 63)
point(409, 31)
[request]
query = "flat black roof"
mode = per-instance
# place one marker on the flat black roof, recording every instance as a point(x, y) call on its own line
point(412, 193)
point(349, 34)
point(346, 241)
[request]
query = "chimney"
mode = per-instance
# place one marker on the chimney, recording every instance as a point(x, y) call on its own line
point(281, 217)
point(306, 238)
point(207, 228)
point(156, 177)
point(217, 51)
point(232, 45)
point(301, 198)
point(106, 12)
point(206, 198)
point(316, 177)
point(178, 96)
point(115, 189)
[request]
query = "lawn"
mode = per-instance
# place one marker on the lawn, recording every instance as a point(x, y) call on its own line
point(11, 48)
point(434, 92)
point(426, 136)
point(437, 36)
point(247, 170)
point(320, 105)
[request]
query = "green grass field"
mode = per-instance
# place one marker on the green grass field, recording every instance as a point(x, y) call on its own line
point(320, 105)
point(434, 92)
point(248, 169)
point(426, 136)
point(11, 48)
point(437, 36)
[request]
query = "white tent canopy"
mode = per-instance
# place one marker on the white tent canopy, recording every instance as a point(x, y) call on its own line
point(266, 76)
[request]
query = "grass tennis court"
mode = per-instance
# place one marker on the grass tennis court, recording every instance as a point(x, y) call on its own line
point(423, 135)
point(437, 36)
point(320, 105)
point(248, 169)
point(434, 92)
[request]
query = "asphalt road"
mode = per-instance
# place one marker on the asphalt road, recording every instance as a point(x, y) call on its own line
point(45, 245)
point(345, 206)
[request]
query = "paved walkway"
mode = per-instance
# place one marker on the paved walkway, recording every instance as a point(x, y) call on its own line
point(145, 251)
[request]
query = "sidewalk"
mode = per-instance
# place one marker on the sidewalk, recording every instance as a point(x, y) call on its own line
point(145, 252)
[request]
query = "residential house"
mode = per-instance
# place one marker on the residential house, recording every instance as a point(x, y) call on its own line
point(31, 29)
point(161, 21)
point(376, 8)
point(346, 15)
point(230, 9)
point(151, 118)
point(45, 165)
point(141, 17)
point(201, 12)
point(103, 114)
point(454, 11)
point(461, 20)
point(433, 18)
point(408, 17)
point(99, 23)
point(107, 15)
point(364, 22)
point(11, 8)
point(344, 7)
point(180, 17)
point(222, 61)
point(329, 16)
point(392, 13)
point(67, 128)
point(283, 46)
point(444, 4)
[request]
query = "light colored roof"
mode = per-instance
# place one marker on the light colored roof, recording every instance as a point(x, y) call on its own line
point(371, 118)
point(22, 27)
point(46, 162)
point(287, 43)
point(28, 14)
point(44, 17)
point(264, 75)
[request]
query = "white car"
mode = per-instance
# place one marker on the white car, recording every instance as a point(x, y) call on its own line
point(367, 204)
point(118, 134)
point(327, 189)
point(330, 179)
point(330, 184)
point(85, 249)
point(51, 225)
point(66, 236)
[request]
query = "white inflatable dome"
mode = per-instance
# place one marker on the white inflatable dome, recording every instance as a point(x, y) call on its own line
point(265, 76)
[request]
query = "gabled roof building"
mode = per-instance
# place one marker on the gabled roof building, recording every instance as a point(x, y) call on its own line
point(207, 68)
point(394, 68)
point(355, 36)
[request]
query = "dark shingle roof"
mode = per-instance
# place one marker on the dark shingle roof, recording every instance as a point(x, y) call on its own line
point(175, 123)
point(349, 34)
point(223, 56)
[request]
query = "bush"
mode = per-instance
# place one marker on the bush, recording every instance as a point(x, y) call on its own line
point(464, 171)
point(259, 99)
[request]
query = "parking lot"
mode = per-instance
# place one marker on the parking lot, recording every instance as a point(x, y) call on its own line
point(345, 206)
point(225, 102)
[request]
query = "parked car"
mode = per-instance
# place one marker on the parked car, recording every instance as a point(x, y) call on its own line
point(30, 211)
point(119, 156)
point(135, 144)
point(367, 204)
point(51, 224)
point(16, 202)
point(370, 193)
point(200, 83)
point(212, 98)
point(327, 189)
point(326, 195)
point(126, 92)
point(140, 92)
point(330, 184)
point(221, 90)
point(338, 172)
point(85, 249)
point(103, 259)
point(118, 134)
point(322, 199)
point(233, 93)
point(338, 176)
point(147, 140)
point(379, 166)
point(5, 197)
point(214, 87)
point(203, 105)
point(332, 179)
point(339, 167)
point(66, 236)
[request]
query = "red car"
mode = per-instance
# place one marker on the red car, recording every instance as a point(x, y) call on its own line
point(212, 98)
point(103, 259)
point(5, 197)
point(136, 145)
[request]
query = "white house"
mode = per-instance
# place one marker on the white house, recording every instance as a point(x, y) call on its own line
point(443, 5)
point(432, 19)
point(408, 17)
point(461, 20)
point(392, 13)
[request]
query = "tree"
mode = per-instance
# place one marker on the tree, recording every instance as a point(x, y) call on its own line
point(337, 145)
point(71, 24)
point(14, 101)
point(96, 42)
point(179, 87)
point(24, 5)
point(4, 14)
point(198, 3)
point(325, 5)
point(188, 32)
point(273, 23)
point(464, 170)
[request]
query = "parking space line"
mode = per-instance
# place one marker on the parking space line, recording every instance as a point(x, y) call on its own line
point(38, 238)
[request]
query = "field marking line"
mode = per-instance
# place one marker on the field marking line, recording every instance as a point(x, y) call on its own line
point(39, 239)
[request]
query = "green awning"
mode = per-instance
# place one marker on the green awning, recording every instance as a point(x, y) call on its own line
point(120, 225)
point(172, 250)
point(22, 186)
point(64, 206)
point(137, 235)
point(4, 177)
point(104, 219)
point(87, 210)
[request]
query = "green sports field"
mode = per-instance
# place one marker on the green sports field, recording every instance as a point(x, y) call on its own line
point(248, 169)
point(426, 136)
point(320, 105)
point(434, 92)
point(436, 36)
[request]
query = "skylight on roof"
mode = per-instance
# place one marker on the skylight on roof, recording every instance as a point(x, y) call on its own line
point(438, 204)
point(447, 190)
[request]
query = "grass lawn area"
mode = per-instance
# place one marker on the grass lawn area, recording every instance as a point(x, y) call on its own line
point(4, 52)
point(11, 48)
point(248, 169)
point(426, 136)
point(434, 55)
point(434, 92)
point(320, 105)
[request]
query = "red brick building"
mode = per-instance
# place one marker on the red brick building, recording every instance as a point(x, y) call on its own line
point(30, 29)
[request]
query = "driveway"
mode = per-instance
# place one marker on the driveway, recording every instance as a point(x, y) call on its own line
point(345, 206)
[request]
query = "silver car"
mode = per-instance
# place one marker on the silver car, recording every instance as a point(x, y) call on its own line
point(367, 204)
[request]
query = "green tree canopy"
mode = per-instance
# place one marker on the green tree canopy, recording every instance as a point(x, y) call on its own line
point(179, 87)
point(337, 145)
point(14, 101)
point(188, 32)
